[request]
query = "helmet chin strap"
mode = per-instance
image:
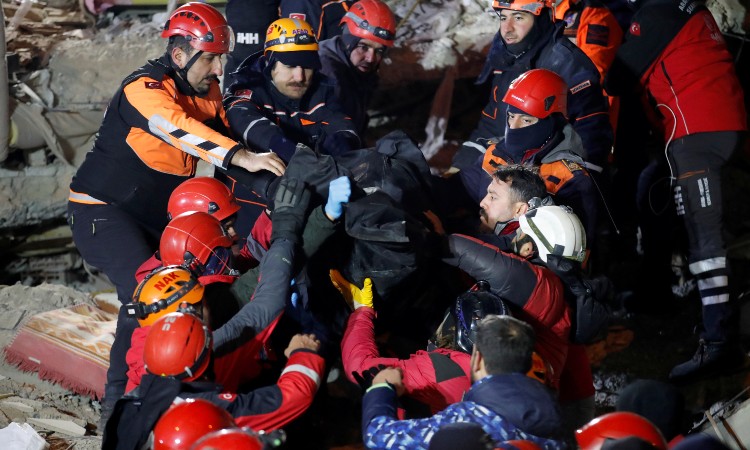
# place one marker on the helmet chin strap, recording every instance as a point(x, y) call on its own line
point(183, 72)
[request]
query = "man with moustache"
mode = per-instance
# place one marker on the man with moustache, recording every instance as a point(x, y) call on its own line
point(164, 118)
point(353, 58)
point(279, 99)
point(529, 39)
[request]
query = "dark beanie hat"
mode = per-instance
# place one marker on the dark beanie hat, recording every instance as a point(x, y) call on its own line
point(307, 59)
point(462, 435)
point(661, 403)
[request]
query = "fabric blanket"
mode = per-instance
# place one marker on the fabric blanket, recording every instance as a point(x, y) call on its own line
point(68, 346)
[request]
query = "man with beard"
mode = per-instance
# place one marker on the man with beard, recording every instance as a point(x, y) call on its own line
point(528, 39)
point(164, 118)
point(353, 58)
point(278, 99)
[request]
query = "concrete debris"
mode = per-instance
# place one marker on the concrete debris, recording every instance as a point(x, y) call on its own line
point(61, 426)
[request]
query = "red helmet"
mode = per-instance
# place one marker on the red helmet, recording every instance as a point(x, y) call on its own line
point(234, 438)
point(372, 20)
point(202, 25)
point(619, 425)
point(538, 92)
point(198, 242)
point(177, 345)
point(204, 194)
point(184, 423)
point(530, 6)
point(162, 292)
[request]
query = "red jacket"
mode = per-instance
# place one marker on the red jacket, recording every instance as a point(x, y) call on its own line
point(692, 80)
point(436, 379)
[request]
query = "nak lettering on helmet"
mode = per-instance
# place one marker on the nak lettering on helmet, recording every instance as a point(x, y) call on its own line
point(165, 281)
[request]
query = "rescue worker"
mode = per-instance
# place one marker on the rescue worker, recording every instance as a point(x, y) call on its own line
point(502, 399)
point(177, 354)
point(278, 100)
point(537, 133)
point(675, 53)
point(241, 335)
point(185, 423)
point(353, 58)
point(164, 118)
point(322, 15)
point(529, 39)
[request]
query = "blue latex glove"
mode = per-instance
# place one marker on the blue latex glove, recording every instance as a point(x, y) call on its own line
point(339, 191)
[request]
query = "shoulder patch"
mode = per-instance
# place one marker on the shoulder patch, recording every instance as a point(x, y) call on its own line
point(635, 29)
point(298, 16)
point(597, 35)
point(572, 165)
point(153, 85)
point(244, 93)
point(579, 87)
point(227, 396)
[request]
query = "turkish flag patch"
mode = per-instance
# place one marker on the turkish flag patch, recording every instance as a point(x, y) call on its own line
point(635, 29)
point(298, 16)
point(153, 85)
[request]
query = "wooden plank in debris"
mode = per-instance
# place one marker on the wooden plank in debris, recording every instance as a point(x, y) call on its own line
point(23, 407)
point(58, 426)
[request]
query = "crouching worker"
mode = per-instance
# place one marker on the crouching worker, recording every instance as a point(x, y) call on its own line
point(178, 359)
point(503, 400)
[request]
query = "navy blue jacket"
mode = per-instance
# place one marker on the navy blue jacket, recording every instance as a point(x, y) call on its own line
point(508, 407)
point(354, 89)
point(587, 106)
point(264, 119)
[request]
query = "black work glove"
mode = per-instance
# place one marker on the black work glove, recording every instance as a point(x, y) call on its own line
point(364, 379)
point(289, 210)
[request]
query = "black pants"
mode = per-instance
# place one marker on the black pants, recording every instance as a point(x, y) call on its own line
point(116, 244)
point(697, 161)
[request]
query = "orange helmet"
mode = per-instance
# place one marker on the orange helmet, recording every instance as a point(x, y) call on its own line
point(234, 438)
point(530, 6)
point(177, 345)
point(185, 423)
point(619, 425)
point(202, 194)
point(203, 26)
point(197, 242)
point(372, 20)
point(538, 92)
point(162, 292)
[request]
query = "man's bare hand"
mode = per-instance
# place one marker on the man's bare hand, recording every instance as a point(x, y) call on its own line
point(302, 341)
point(391, 375)
point(255, 162)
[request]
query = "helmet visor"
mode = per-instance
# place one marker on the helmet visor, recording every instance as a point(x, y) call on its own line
point(378, 32)
point(219, 263)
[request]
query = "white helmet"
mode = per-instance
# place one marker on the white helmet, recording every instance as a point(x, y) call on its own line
point(556, 230)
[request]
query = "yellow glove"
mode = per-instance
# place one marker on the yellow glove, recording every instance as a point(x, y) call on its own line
point(354, 296)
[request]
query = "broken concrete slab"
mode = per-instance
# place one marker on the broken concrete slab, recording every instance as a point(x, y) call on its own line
point(66, 427)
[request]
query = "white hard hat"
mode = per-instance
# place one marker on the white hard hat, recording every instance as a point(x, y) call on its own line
point(556, 230)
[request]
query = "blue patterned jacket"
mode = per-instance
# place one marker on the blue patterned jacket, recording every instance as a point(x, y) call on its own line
point(508, 407)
